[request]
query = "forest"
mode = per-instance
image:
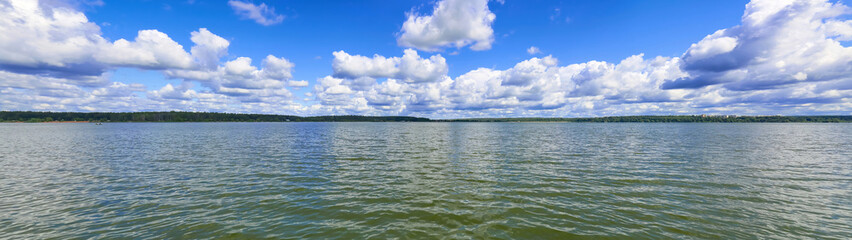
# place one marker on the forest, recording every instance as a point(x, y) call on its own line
point(26, 116)
point(29, 116)
point(678, 118)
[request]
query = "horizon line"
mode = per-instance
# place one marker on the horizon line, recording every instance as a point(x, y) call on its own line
point(433, 119)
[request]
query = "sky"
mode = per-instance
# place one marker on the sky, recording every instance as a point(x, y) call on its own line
point(437, 59)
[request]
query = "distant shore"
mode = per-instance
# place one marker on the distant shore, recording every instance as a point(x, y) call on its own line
point(67, 122)
point(49, 122)
point(88, 117)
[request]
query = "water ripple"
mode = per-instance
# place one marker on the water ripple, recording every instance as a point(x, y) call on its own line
point(425, 180)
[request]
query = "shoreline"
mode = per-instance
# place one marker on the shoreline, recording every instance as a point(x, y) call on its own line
point(108, 117)
point(434, 121)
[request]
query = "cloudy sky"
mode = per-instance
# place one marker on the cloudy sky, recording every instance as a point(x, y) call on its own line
point(439, 59)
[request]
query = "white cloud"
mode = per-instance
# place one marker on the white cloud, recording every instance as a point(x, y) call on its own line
point(277, 68)
point(239, 78)
point(778, 43)
point(240, 67)
point(350, 66)
point(413, 68)
point(262, 14)
point(209, 48)
point(711, 45)
point(410, 67)
point(35, 82)
point(527, 71)
point(540, 87)
point(174, 93)
point(453, 23)
point(33, 92)
point(57, 41)
point(752, 56)
point(117, 89)
point(533, 50)
point(57, 60)
point(536, 84)
point(787, 57)
point(330, 91)
point(539, 84)
point(297, 84)
point(151, 49)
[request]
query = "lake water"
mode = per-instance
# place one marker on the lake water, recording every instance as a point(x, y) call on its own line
point(426, 180)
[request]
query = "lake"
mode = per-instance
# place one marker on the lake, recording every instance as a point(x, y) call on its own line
point(426, 180)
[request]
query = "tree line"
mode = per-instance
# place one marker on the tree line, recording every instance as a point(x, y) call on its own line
point(29, 116)
point(670, 119)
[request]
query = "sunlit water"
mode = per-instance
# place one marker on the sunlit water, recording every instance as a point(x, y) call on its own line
point(432, 180)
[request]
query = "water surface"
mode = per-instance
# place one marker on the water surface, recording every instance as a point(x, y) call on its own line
point(426, 180)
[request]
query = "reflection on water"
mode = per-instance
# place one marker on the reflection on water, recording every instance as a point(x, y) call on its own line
point(409, 180)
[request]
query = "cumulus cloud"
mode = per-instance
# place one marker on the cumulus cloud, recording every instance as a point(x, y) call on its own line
point(355, 96)
point(239, 78)
point(779, 43)
point(786, 57)
point(410, 67)
point(533, 85)
point(262, 14)
point(35, 92)
point(151, 49)
point(117, 89)
point(58, 60)
point(453, 23)
point(57, 41)
point(540, 84)
point(209, 48)
point(182, 92)
point(412, 84)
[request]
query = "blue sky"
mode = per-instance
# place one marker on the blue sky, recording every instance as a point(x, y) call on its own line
point(595, 30)
point(441, 59)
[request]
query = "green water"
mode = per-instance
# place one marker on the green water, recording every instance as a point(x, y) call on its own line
point(426, 180)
